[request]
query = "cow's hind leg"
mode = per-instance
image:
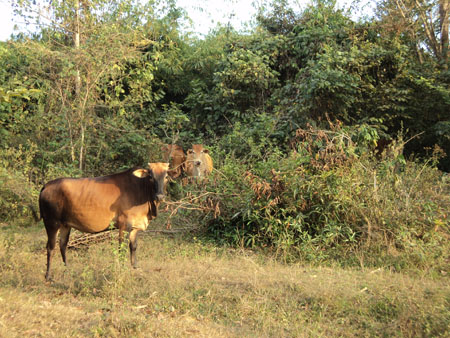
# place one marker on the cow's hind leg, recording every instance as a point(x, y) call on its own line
point(133, 246)
point(52, 230)
point(64, 233)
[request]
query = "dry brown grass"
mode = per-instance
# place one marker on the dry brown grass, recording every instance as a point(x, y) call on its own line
point(189, 288)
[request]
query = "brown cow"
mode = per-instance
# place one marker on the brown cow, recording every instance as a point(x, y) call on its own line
point(128, 200)
point(174, 154)
point(198, 161)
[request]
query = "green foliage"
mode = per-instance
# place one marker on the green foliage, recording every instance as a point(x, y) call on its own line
point(94, 104)
point(171, 124)
point(245, 78)
point(18, 197)
point(311, 67)
point(17, 98)
point(330, 196)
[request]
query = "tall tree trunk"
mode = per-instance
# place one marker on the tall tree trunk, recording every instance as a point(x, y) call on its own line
point(427, 23)
point(444, 8)
point(77, 45)
point(410, 27)
point(78, 85)
point(81, 164)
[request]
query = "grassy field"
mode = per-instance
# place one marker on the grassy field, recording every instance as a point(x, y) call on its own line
point(184, 287)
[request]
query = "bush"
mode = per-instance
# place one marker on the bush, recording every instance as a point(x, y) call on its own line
point(18, 195)
point(330, 196)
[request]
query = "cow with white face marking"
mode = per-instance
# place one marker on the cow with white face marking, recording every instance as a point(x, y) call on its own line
point(128, 200)
point(198, 162)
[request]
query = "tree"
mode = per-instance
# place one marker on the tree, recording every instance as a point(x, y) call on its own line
point(80, 58)
point(424, 22)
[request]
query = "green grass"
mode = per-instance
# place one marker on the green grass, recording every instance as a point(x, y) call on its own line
point(185, 287)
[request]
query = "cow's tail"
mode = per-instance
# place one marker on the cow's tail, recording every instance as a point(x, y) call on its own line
point(41, 210)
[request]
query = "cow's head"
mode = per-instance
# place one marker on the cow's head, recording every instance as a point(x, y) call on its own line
point(157, 172)
point(174, 154)
point(195, 155)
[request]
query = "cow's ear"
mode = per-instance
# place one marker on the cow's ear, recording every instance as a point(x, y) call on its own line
point(141, 173)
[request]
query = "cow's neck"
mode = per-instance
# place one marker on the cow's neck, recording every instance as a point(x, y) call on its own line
point(151, 202)
point(197, 171)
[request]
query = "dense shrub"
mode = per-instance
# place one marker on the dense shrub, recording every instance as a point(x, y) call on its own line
point(18, 196)
point(330, 195)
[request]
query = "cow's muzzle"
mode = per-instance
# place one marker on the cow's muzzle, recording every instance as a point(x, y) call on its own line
point(198, 163)
point(160, 197)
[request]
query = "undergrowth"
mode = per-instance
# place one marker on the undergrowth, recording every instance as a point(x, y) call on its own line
point(330, 198)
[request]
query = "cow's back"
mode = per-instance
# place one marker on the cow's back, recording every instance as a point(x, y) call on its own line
point(86, 204)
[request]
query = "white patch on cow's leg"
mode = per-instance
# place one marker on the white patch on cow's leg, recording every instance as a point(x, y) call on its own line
point(133, 246)
point(140, 223)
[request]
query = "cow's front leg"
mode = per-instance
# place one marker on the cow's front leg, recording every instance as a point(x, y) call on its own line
point(133, 246)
